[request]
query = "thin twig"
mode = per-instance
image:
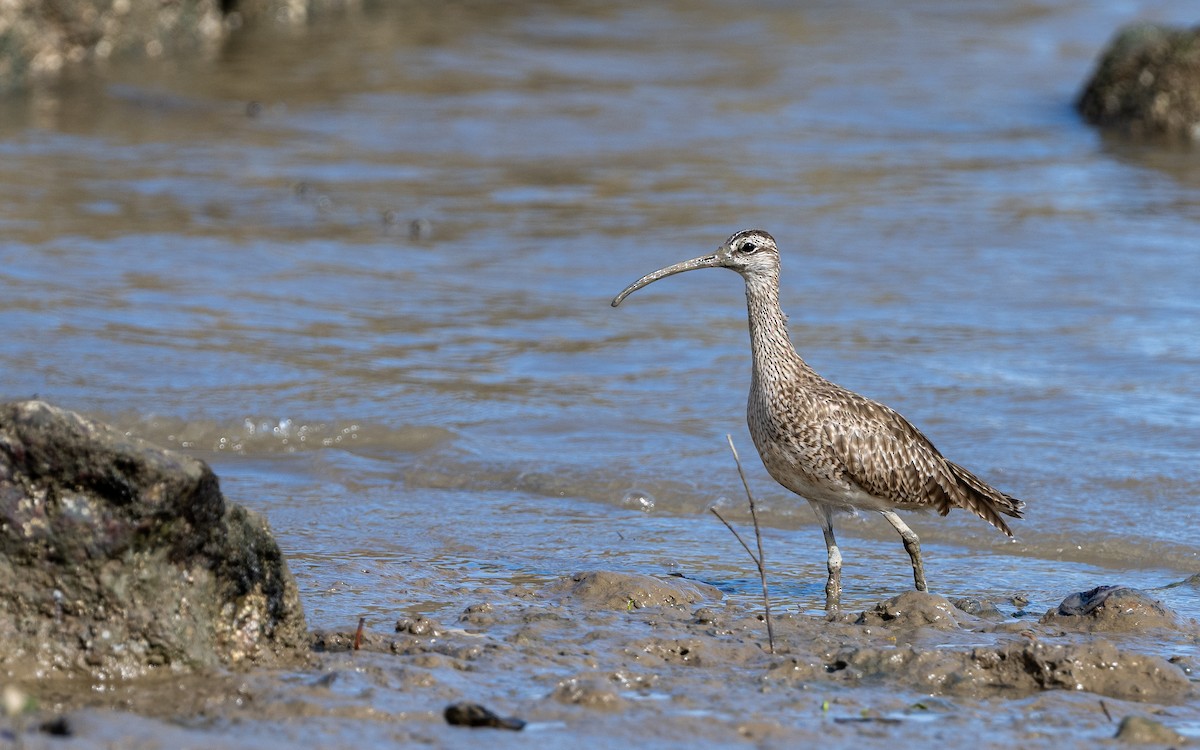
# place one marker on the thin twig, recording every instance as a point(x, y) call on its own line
point(358, 634)
point(759, 559)
point(736, 535)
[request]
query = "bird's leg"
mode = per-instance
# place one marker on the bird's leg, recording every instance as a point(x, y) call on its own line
point(912, 545)
point(833, 586)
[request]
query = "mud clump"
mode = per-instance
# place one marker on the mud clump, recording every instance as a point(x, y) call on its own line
point(1023, 666)
point(589, 692)
point(1138, 730)
point(916, 609)
point(606, 589)
point(693, 674)
point(1098, 667)
point(1111, 609)
point(117, 557)
point(1020, 667)
point(982, 608)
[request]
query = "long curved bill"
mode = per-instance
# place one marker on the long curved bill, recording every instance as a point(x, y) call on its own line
point(704, 261)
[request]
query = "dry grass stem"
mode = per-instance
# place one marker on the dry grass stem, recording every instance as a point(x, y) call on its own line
point(759, 559)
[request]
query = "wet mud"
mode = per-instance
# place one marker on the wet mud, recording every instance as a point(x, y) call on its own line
point(613, 658)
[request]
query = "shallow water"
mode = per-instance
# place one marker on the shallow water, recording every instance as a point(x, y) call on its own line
point(218, 255)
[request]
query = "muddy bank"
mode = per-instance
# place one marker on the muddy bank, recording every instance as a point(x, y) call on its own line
point(580, 659)
point(132, 586)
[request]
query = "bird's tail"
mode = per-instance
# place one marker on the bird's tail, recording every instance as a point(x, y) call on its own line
point(986, 501)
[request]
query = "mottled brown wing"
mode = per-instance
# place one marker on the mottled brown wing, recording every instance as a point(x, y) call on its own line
point(887, 457)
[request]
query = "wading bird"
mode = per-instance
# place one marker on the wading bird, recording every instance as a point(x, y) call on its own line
point(837, 449)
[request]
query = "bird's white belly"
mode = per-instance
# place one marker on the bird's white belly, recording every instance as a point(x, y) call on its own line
point(841, 497)
point(813, 481)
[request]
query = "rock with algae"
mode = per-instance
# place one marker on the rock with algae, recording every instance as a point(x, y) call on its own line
point(1147, 83)
point(41, 38)
point(117, 557)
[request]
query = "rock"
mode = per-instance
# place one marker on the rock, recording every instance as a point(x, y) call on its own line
point(117, 556)
point(474, 715)
point(58, 726)
point(41, 38)
point(1111, 609)
point(1139, 730)
point(609, 590)
point(1147, 83)
point(915, 609)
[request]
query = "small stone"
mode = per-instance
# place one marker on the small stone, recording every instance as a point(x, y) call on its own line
point(475, 716)
point(420, 230)
point(59, 726)
point(15, 700)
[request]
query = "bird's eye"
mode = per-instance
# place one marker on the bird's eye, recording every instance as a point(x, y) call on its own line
point(746, 248)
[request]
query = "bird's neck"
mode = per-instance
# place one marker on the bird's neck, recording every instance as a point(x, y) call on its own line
point(774, 355)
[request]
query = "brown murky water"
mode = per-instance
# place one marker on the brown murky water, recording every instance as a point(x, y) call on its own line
point(364, 271)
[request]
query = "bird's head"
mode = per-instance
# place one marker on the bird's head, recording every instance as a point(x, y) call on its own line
point(750, 252)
